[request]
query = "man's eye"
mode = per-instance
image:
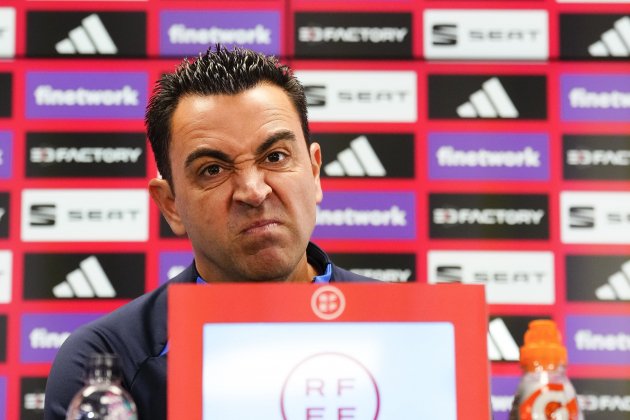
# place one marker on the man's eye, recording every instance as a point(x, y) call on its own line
point(213, 170)
point(276, 157)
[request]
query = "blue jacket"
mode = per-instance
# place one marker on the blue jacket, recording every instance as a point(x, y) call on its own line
point(136, 332)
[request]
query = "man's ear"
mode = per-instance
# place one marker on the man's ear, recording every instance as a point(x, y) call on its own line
point(163, 196)
point(315, 153)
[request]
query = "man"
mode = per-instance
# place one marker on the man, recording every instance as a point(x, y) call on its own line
point(240, 178)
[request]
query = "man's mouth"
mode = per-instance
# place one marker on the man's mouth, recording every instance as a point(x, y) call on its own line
point(260, 226)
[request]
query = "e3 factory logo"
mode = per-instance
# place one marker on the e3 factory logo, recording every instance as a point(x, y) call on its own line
point(81, 95)
point(185, 32)
point(496, 97)
point(85, 215)
point(360, 96)
point(32, 393)
point(598, 339)
point(592, 278)
point(509, 277)
point(395, 268)
point(6, 99)
point(4, 215)
point(6, 276)
point(594, 36)
point(353, 35)
point(7, 32)
point(83, 276)
point(370, 155)
point(596, 157)
point(85, 34)
point(486, 34)
point(366, 215)
point(505, 337)
point(489, 156)
point(488, 216)
point(595, 217)
point(84, 155)
point(603, 399)
point(595, 97)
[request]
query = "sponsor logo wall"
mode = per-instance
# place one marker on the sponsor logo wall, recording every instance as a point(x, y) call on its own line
point(474, 142)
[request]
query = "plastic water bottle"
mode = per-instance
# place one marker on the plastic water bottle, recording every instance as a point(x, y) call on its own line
point(102, 397)
point(544, 392)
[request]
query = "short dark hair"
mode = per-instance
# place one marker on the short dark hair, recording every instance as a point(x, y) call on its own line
point(218, 72)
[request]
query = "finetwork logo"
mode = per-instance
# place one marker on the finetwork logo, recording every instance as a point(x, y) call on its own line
point(488, 156)
point(374, 215)
point(595, 217)
point(495, 97)
point(360, 96)
point(6, 276)
point(86, 34)
point(598, 339)
point(187, 32)
point(111, 155)
point(603, 399)
point(593, 278)
point(595, 97)
point(88, 215)
point(172, 263)
point(7, 32)
point(596, 157)
point(395, 268)
point(486, 34)
point(509, 277)
point(83, 276)
point(353, 35)
point(95, 95)
point(6, 154)
point(594, 36)
point(367, 155)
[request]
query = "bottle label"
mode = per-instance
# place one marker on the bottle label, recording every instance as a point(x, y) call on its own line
point(550, 402)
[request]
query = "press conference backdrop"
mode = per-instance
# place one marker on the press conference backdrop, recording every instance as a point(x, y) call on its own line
point(463, 141)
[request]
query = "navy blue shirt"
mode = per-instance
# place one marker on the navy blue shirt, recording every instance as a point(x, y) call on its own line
point(136, 332)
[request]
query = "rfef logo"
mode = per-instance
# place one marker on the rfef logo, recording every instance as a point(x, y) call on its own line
point(486, 34)
point(487, 97)
point(83, 276)
point(489, 216)
point(172, 263)
point(97, 95)
point(6, 99)
point(509, 277)
point(603, 398)
point(595, 217)
point(594, 36)
point(596, 278)
point(43, 333)
point(598, 339)
point(395, 268)
point(366, 215)
point(84, 155)
point(489, 156)
point(595, 97)
point(360, 96)
point(7, 33)
point(6, 276)
point(85, 215)
point(596, 157)
point(86, 34)
point(185, 32)
point(367, 155)
point(353, 35)
point(32, 398)
point(4, 214)
point(6, 154)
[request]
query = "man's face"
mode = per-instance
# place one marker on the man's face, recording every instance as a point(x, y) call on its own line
point(245, 185)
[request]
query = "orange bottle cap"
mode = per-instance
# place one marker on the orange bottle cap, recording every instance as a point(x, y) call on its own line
point(543, 348)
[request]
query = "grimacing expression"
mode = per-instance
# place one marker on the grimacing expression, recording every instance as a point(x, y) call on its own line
point(245, 185)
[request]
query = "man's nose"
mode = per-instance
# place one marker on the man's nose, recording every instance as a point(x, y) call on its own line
point(250, 186)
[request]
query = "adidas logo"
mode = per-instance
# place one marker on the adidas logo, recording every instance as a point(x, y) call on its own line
point(614, 42)
point(89, 38)
point(87, 281)
point(501, 344)
point(618, 286)
point(491, 101)
point(357, 160)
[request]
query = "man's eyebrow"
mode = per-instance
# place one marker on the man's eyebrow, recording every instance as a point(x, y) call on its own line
point(273, 139)
point(206, 152)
